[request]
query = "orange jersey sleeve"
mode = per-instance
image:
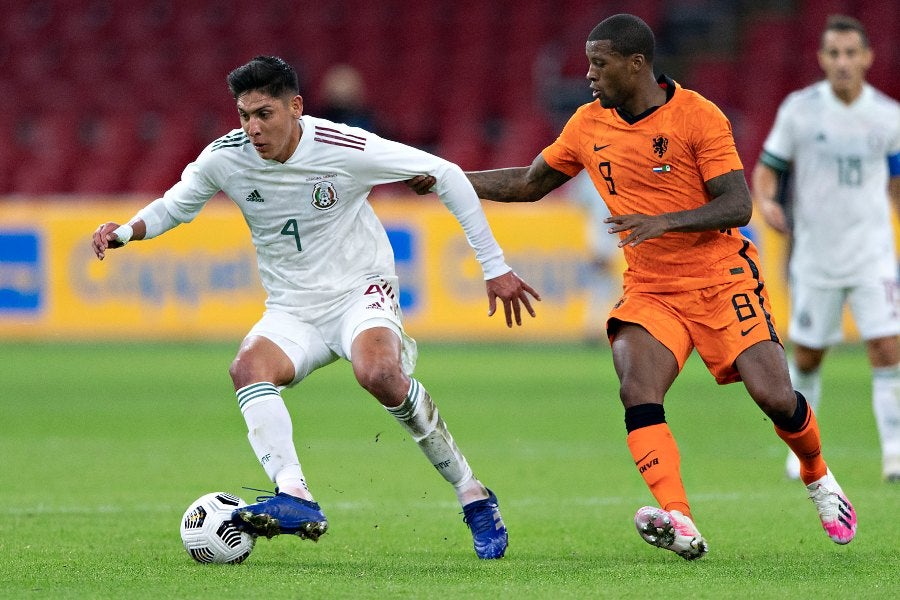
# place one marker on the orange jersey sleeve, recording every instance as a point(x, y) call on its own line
point(656, 165)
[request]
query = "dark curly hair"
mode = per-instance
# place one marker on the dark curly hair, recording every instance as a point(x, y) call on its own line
point(628, 35)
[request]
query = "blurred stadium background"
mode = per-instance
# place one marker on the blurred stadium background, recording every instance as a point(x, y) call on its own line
point(107, 100)
point(112, 96)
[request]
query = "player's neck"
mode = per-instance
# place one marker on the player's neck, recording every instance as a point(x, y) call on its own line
point(644, 99)
point(847, 95)
point(295, 141)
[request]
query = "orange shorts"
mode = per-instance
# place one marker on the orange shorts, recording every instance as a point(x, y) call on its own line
point(720, 321)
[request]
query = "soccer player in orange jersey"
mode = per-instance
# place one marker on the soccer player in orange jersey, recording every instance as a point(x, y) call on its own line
point(664, 161)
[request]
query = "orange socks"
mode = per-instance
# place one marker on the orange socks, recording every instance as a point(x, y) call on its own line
point(807, 445)
point(659, 463)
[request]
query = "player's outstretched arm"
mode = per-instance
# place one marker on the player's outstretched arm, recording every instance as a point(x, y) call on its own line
point(517, 184)
point(113, 235)
point(729, 207)
point(513, 293)
point(151, 221)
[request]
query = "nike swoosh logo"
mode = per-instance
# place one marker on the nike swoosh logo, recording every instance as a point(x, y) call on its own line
point(644, 457)
point(599, 148)
point(746, 331)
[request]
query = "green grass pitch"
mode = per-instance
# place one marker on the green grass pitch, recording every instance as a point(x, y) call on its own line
point(104, 446)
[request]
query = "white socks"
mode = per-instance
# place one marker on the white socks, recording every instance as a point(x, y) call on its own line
point(886, 405)
point(270, 433)
point(885, 401)
point(419, 417)
point(809, 384)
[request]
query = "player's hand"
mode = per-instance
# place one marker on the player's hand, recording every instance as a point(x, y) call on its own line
point(421, 184)
point(105, 238)
point(773, 214)
point(512, 291)
point(640, 228)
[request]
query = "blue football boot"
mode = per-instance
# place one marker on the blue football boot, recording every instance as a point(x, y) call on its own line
point(281, 513)
point(488, 531)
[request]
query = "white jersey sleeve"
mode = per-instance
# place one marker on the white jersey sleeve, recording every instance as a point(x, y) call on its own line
point(778, 148)
point(181, 203)
point(386, 161)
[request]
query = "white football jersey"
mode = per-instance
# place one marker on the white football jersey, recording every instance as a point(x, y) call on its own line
point(316, 235)
point(838, 156)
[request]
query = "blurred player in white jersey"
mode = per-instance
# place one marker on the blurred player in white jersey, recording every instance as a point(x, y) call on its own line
point(302, 184)
point(840, 138)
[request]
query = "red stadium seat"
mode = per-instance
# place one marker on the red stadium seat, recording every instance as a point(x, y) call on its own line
point(464, 142)
point(26, 22)
point(159, 167)
point(522, 140)
point(109, 148)
point(10, 154)
point(883, 28)
point(460, 77)
point(714, 78)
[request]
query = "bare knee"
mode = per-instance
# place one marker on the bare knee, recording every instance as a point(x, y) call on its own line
point(764, 371)
point(246, 369)
point(260, 360)
point(633, 391)
point(883, 352)
point(779, 408)
point(807, 360)
point(646, 368)
point(383, 378)
point(777, 401)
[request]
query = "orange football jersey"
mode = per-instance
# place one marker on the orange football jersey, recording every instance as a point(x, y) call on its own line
point(655, 165)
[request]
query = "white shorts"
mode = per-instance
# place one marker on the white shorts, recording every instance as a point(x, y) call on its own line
point(817, 313)
point(311, 345)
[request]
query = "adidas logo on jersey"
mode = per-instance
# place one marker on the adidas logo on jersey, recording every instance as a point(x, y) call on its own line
point(254, 196)
point(375, 305)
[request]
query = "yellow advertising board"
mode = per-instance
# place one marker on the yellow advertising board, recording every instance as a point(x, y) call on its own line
point(199, 281)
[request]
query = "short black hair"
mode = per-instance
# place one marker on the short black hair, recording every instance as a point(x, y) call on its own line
point(267, 74)
point(628, 35)
point(844, 23)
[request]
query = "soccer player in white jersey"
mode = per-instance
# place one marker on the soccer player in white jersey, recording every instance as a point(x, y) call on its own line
point(840, 139)
point(302, 184)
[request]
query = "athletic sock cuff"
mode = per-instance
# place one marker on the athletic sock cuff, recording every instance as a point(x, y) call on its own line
point(407, 408)
point(254, 393)
point(886, 372)
point(644, 415)
point(798, 420)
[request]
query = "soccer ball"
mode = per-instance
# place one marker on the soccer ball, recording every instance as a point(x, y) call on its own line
point(208, 534)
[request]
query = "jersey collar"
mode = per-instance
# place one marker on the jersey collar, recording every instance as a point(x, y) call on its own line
point(666, 83)
point(858, 101)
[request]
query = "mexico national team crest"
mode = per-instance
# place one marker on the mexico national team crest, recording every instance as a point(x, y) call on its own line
point(660, 145)
point(324, 196)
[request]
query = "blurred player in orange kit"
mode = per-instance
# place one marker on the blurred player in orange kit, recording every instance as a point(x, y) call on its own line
point(663, 159)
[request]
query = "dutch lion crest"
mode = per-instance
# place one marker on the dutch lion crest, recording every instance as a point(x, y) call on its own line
point(660, 145)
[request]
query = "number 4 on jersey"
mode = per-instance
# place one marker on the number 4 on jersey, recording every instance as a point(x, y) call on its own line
point(291, 228)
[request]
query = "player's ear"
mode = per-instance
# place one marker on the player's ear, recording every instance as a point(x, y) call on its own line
point(637, 62)
point(868, 57)
point(297, 106)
